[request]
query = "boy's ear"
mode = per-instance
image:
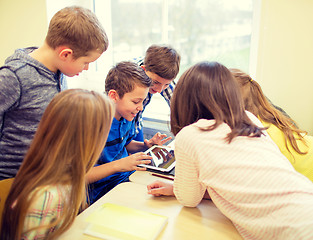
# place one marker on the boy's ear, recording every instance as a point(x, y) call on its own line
point(113, 95)
point(65, 53)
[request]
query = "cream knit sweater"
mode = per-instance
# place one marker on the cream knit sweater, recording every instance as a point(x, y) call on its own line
point(249, 180)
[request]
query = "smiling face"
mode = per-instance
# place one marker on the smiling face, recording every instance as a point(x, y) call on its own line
point(158, 83)
point(71, 66)
point(130, 104)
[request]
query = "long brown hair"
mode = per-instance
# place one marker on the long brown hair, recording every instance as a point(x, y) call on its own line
point(208, 90)
point(256, 103)
point(69, 139)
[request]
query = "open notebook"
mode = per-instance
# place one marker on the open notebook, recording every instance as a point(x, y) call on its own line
point(112, 221)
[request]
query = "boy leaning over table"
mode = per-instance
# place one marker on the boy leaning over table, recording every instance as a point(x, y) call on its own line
point(31, 77)
point(127, 86)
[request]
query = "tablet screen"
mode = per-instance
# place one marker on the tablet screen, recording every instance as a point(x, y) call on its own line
point(163, 158)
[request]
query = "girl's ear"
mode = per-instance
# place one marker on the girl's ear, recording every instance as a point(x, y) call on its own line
point(113, 95)
point(65, 53)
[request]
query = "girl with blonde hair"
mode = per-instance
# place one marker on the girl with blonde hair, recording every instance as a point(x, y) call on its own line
point(223, 152)
point(50, 187)
point(293, 142)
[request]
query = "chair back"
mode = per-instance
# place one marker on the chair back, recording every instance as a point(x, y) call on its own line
point(5, 186)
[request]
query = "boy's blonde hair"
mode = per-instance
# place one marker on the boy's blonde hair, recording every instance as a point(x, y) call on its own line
point(79, 29)
point(162, 60)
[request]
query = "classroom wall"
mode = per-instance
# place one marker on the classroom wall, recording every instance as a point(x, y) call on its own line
point(22, 24)
point(285, 57)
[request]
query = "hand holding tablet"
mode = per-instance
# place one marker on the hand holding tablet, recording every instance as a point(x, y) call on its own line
point(163, 158)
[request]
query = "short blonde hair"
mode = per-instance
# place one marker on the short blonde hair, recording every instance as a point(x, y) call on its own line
point(79, 29)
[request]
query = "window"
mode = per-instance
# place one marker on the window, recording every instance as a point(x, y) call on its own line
point(200, 30)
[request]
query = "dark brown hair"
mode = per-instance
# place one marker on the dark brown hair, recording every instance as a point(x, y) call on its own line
point(162, 60)
point(79, 29)
point(124, 76)
point(208, 90)
point(68, 142)
point(256, 103)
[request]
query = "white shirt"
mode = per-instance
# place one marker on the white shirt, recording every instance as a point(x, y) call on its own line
point(249, 180)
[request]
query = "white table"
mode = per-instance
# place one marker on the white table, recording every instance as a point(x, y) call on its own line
point(203, 222)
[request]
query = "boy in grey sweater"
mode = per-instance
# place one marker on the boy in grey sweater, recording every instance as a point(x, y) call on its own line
point(32, 76)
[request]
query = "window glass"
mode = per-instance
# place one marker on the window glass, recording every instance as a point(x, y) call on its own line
point(200, 30)
point(135, 26)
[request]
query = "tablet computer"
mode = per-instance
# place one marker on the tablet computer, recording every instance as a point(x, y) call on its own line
point(163, 158)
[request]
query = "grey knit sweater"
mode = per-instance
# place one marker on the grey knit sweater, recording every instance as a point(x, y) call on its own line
point(26, 88)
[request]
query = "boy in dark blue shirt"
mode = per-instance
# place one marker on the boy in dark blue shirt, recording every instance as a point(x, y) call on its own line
point(127, 85)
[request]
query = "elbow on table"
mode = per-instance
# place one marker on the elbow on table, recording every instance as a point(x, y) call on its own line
point(191, 202)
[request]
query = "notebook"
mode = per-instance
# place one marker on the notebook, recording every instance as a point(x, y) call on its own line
point(112, 221)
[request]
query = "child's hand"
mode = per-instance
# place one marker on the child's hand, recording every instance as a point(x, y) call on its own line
point(157, 139)
point(161, 153)
point(131, 162)
point(159, 188)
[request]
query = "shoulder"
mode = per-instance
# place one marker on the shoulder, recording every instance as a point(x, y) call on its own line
point(8, 78)
point(201, 123)
point(46, 207)
point(19, 58)
point(122, 127)
point(193, 130)
point(273, 130)
point(125, 125)
point(254, 119)
point(49, 197)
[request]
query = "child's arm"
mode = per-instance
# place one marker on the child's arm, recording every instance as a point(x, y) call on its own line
point(126, 164)
point(160, 188)
point(157, 139)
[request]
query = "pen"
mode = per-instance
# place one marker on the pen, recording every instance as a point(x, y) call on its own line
point(162, 176)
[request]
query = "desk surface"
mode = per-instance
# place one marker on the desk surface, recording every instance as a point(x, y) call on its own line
point(203, 222)
point(145, 177)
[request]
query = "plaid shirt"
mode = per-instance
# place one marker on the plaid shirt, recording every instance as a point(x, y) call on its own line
point(46, 208)
point(166, 93)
